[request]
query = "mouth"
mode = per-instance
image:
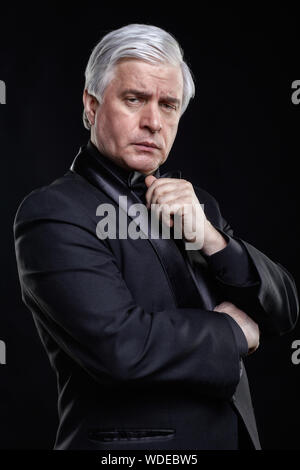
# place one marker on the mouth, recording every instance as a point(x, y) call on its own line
point(146, 145)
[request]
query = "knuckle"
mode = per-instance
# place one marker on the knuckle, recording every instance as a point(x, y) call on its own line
point(156, 191)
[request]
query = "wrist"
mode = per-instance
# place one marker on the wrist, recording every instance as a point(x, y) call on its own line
point(213, 240)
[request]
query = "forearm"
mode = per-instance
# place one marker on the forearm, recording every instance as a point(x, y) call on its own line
point(78, 294)
point(214, 241)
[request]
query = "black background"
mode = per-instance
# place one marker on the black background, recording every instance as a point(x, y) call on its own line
point(238, 139)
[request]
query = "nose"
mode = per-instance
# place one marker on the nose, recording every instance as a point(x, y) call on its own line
point(151, 118)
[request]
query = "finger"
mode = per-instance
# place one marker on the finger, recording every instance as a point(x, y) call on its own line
point(173, 213)
point(166, 193)
point(149, 180)
point(162, 214)
point(172, 189)
point(155, 184)
point(225, 304)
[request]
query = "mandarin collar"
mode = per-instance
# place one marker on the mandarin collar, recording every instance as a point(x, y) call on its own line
point(129, 177)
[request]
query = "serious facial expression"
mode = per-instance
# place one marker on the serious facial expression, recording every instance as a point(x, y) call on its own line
point(137, 121)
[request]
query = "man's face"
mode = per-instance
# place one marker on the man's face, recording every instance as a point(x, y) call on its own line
point(137, 122)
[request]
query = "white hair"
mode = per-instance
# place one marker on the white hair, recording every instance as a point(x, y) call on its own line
point(139, 41)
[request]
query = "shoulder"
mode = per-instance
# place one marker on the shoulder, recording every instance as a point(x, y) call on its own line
point(69, 198)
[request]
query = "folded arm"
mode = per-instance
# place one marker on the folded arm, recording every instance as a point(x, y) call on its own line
point(70, 280)
point(264, 289)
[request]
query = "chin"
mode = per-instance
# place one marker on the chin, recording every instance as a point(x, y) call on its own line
point(139, 164)
point(147, 170)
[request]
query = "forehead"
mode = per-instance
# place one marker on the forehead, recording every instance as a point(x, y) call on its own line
point(160, 78)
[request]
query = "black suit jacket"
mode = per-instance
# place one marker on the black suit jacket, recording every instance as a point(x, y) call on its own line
point(142, 361)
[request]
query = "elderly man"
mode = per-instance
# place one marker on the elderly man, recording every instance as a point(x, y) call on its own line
point(146, 333)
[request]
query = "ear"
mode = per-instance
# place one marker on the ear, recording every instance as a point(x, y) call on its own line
point(90, 104)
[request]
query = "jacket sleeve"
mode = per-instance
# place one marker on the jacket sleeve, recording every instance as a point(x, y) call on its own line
point(72, 284)
point(263, 288)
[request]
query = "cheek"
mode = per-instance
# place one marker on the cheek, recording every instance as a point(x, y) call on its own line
point(122, 128)
point(107, 129)
point(171, 134)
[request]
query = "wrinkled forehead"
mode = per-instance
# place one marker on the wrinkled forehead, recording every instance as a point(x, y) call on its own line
point(160, 78)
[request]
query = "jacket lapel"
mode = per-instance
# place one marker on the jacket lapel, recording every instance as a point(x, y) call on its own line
point(174, 264)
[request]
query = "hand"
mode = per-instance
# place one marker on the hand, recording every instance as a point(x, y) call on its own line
point(176, 196)
point(248, 326)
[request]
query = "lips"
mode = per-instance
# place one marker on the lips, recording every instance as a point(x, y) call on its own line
point(147, 144)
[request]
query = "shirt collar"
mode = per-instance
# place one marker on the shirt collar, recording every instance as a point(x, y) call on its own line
point(129, 177)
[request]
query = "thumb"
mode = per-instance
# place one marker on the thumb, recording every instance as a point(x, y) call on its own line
point(149, 180)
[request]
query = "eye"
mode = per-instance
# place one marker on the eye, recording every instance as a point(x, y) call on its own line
point(132, 100)
point(169, 107)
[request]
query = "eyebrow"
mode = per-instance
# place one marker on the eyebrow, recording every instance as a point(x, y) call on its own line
point(144, 94)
